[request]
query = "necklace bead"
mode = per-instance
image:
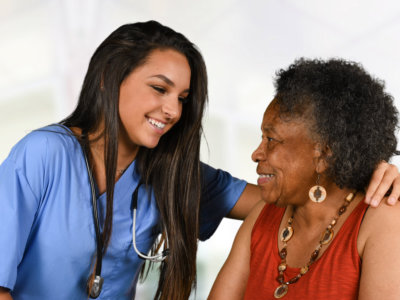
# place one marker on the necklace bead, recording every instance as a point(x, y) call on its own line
point(282, 267)
point(281, 291)
point(283, 253)
point(286, 233)
point(327, 236)
point(304, 270)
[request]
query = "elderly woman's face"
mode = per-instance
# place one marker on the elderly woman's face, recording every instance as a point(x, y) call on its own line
point(285, 159)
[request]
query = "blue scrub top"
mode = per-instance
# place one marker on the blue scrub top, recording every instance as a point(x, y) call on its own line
point(47, 234)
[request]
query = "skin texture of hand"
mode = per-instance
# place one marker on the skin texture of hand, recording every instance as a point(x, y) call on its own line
point(384, 177)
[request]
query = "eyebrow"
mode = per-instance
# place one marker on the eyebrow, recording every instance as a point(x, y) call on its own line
point(167, 81)
point(268, 128)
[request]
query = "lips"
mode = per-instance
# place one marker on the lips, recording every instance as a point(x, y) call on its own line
point(155, 123)
point(265, 178)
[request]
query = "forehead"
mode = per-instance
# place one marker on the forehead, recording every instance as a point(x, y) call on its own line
point(294, 128)
point(167, 62)
point(166, 59)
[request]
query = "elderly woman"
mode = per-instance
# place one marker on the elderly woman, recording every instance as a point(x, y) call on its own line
point(327, 128)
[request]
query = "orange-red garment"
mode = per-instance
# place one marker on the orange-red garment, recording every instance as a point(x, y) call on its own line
point(335, 275)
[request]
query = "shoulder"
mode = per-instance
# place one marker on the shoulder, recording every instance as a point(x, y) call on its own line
point(216, 182)
point(254, 214)
point(380, 224)
point(380, 270)
point(210, 174)
point(243, 236)
point(44, 152)
point(384, 213)
point(40, 143)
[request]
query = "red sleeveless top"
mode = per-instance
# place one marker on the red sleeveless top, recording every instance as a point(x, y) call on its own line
point(335, 275)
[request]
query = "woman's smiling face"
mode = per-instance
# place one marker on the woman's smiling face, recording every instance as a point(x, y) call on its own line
point(150, 100)
point(285, 159)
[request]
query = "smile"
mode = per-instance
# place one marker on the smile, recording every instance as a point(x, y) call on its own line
point(155, 123)
point(264, 178)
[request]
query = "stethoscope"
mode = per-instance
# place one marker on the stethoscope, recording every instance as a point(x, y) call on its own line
point(95, 289)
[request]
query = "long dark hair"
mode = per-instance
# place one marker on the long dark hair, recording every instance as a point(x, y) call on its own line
point(172, 168)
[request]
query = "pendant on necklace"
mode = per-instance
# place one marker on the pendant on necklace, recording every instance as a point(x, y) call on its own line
point(281, 290)
point(326, 236)
point(286, 233)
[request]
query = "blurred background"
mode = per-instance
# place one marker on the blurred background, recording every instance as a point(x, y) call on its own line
point(45, 47)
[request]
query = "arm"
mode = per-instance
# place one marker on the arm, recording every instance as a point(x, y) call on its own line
point(232, 279)
point(247, 201)
point(5, 294)
point(20, 179)
point(385, 176)
point(380, 271)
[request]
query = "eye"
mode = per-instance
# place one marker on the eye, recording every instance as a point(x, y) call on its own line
point(184, 100)
point(270, 142)
point(158, 89)
point(268, 138)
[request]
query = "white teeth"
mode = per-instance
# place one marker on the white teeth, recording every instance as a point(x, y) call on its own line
point(156, 123)
point(267, 175)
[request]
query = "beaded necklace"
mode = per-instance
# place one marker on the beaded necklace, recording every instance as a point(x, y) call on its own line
point(285, 236)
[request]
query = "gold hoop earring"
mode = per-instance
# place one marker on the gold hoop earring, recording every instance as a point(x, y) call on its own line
point(317, 193)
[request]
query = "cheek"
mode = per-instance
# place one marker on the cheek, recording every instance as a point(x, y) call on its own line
point(178, 115)
point(180, 110)
point(292, 168)
point(298, 178)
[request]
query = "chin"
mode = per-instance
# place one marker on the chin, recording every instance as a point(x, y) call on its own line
point(273, 199)
point(151, 144)
point(279, 203)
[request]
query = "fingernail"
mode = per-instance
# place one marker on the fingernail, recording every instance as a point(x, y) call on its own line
point(374, 202)
point(392, 200)
point(367, 199)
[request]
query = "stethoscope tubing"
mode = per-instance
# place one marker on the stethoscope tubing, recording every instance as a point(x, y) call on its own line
point(95, 289)
point(156, 258)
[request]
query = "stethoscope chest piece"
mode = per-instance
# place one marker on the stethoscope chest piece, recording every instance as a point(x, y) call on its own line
point(97, 284)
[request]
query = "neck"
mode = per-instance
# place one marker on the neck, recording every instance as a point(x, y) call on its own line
point(127, 151)
point(124, 156)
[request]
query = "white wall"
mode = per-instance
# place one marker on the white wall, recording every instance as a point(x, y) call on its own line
point(45, 47)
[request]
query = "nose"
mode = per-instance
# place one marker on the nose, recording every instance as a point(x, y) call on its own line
point(172, 108)
point(259, 154)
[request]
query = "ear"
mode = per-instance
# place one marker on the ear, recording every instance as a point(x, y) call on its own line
point(321, 154)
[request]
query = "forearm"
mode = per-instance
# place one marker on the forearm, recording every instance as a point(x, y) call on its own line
point(5, 294)
point(247, 201)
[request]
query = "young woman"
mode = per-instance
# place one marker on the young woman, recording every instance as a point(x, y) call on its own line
point(126, 159)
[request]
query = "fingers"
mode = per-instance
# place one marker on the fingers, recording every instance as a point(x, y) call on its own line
point(383, 178)
point(395, 194)
point(374, 183)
